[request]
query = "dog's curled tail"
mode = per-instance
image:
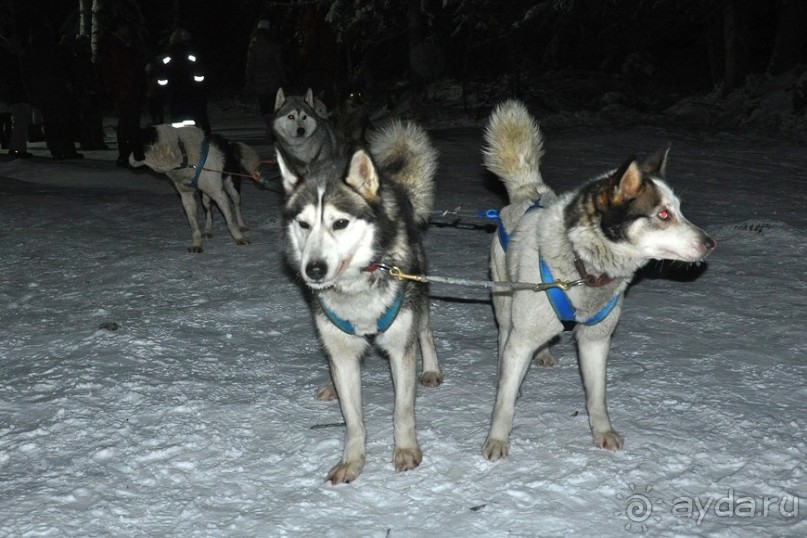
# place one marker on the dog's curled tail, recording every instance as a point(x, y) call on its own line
point(246, 157)
point(513, 150)
point(404, 150)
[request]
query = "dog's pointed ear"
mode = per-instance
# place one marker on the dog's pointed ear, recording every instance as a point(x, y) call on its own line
point(362, 175)
point(623, 185)
point(656, 164)
point(309, 97)
point(290, 178)
point(280, 98)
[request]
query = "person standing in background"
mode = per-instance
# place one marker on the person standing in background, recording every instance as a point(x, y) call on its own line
point(122, 65)
point(265, 70)
point(181, 76)
point(15, 97)
point(46, 77)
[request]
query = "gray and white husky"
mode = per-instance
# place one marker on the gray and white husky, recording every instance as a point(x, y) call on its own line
point(302, 131)
point(600, 233)
point(344, 217)
point(199, 164)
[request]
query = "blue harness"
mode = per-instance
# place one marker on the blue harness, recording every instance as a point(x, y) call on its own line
point(202, 159)
point(382, 323)
point(557, 297)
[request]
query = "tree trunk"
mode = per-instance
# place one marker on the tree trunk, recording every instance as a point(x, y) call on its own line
point(96, 30)
point(790, 36)
point(84, 17)
point(735, 39)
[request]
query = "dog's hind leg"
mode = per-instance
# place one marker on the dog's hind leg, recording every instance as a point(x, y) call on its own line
point(224, 205)
point(513, 366)
point(431, 375)
point(189, 204)
point(206, 204)
point(593, 352)
point(235, 196)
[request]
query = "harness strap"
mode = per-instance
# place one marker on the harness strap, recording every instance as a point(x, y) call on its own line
point(504, 237)
point(563, 306)
point(183, 153)
point(383, 323)
point(557, 297)
point(200, 165)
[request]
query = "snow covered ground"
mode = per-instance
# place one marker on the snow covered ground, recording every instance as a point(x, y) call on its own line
point(146, 391)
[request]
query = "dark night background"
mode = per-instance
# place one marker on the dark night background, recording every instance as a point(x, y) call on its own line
point(716, 62)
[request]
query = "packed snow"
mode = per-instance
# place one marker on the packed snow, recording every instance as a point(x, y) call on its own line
point(147, 391)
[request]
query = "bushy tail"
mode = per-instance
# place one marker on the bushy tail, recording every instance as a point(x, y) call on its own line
point(246, 156)
point(405, 151)
point(513, 150)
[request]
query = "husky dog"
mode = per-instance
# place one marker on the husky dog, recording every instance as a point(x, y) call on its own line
point(302, 132)
point(600, 233)
point(199, 163)
point(352, 119)
point(344, 218)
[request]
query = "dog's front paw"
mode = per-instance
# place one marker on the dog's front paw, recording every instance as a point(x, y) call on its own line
point(431, 379)
point(609, 440)
point(345, 472)
point(494, 449)
point(326, 393)
point(242, 241)
point(406, 459)
point(243, 228)
point(196, 249)
point(207, 235)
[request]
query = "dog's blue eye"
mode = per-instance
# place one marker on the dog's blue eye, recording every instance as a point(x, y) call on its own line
point(340, 224)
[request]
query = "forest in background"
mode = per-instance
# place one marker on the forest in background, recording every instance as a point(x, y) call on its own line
point(642, 55)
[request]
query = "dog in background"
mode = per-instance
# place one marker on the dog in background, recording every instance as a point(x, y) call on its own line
point(196, 163)
point(303, 133)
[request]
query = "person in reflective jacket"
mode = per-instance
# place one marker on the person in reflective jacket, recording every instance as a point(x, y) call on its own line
point(181, 77)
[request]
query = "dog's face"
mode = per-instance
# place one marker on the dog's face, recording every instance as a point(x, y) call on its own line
point(329, 220)
point(641, 216)
point(295, 116)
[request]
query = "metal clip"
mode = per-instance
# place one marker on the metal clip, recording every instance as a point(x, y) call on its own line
point(396, 273)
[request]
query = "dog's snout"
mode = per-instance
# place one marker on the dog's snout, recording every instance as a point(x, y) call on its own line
point(709, 243)
point(316, 270)
point(300, 131)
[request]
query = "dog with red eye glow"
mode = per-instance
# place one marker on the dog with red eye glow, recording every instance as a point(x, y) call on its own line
point(598, 236)
point(302, 129)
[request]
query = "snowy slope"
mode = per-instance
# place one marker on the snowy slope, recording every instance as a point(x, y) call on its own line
point(146, 391)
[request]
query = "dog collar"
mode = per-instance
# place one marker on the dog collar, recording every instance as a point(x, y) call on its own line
point(590, 280)
point(563, 306)
point(382, 323)
point(202, 159)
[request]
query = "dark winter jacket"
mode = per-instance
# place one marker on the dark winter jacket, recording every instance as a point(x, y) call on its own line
point(46, 74)
point(122, 67)
point(180, 73)
point(11, 88)
point(265, 71)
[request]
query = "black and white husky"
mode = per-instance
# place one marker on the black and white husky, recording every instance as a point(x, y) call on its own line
point(198, 163)
point(344, 219)
point(600, 233)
